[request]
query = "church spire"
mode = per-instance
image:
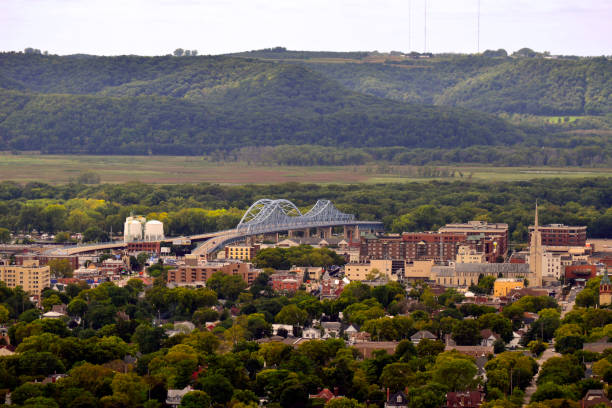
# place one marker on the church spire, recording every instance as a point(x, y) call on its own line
point(535, 251)
point(536, 223)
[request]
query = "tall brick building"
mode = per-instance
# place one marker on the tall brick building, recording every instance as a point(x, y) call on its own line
point(495, 242)
point(490, 239)
point(199, 274)
point(32, 277)
point(561, 235)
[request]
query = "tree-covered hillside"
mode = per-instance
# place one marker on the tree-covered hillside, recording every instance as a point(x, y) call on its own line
point(170, 105)
point(192, 105)
point(537, 85)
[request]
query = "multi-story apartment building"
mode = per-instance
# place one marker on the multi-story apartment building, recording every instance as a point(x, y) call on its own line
point(465, 254)
point(44, 259)
point(495, 241)
point(32, 277)
point(200, 273)
point(391, 269)
point(479, 236)
point(382, 247)
point(241, 252)
point(561, 235)
point(432, 245)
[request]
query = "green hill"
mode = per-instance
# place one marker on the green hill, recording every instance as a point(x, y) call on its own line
point(191, 105)
point(535, 86)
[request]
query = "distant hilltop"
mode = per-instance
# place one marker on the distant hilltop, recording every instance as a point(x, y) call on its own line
point(198, 104)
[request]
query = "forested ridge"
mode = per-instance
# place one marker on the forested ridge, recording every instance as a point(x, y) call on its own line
point(162, 105)
point(203, 104)
point(537, 86)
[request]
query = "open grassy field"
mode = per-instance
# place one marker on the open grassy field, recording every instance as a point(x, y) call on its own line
point(174, 169)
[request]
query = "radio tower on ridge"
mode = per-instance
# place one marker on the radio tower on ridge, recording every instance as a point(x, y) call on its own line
point(425, 25)
point(409, 25)
point(478, 30)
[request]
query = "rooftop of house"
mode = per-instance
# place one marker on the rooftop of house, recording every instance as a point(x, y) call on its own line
point(423, 334)
point(464, 399)
point(474, 351)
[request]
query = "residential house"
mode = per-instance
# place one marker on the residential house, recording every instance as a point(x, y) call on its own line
point(422, 334)
point(464, 399)
point(325, 394)
point(276, 327)
point(331, 288)
point(331, 329)
point(516, 338)
point(360, 337)
point(474, 351)
point(53, 378)
point(7, 350)
point(4, 336)
point(595, 397)
point(397, 400)
point(488, 337)
point(53, 315)
point(311, 333)
point(367, 348)
point(175, 397)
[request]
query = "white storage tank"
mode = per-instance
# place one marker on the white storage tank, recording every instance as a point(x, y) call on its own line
point(132, 230)
point(154, 231)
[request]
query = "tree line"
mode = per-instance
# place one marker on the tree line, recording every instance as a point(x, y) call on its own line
point(196, 208)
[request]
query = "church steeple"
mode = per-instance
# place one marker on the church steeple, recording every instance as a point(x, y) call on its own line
point(535, 251)
point(536, 222)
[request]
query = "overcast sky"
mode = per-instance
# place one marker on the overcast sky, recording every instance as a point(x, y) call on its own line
point(157, 27)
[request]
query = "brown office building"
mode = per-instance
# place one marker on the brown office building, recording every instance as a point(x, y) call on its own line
point(199, 274)
point(432, 245)
point(381, 247)
point(490, 239)
point(44, 259)
point(142, 246)
point(494, 243)
point(561, 235)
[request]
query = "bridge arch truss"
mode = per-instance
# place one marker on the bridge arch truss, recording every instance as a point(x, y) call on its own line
point(268, 215)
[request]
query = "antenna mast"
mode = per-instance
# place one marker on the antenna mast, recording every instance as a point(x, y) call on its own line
point(478, 30)
point(409, 25)
point(425, 43)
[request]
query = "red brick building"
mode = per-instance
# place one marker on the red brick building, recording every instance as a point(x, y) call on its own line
point(439, 246)
point(494, 243)
point(199, 274)
point(432, 245)
point(150, 247)
point(382, 247)
point(284, 282)
point(43, 260)
point(464, 399)
point(585, 272)
point(561, 235)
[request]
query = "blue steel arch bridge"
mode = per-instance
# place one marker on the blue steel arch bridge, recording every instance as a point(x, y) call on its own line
point(265, 216)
